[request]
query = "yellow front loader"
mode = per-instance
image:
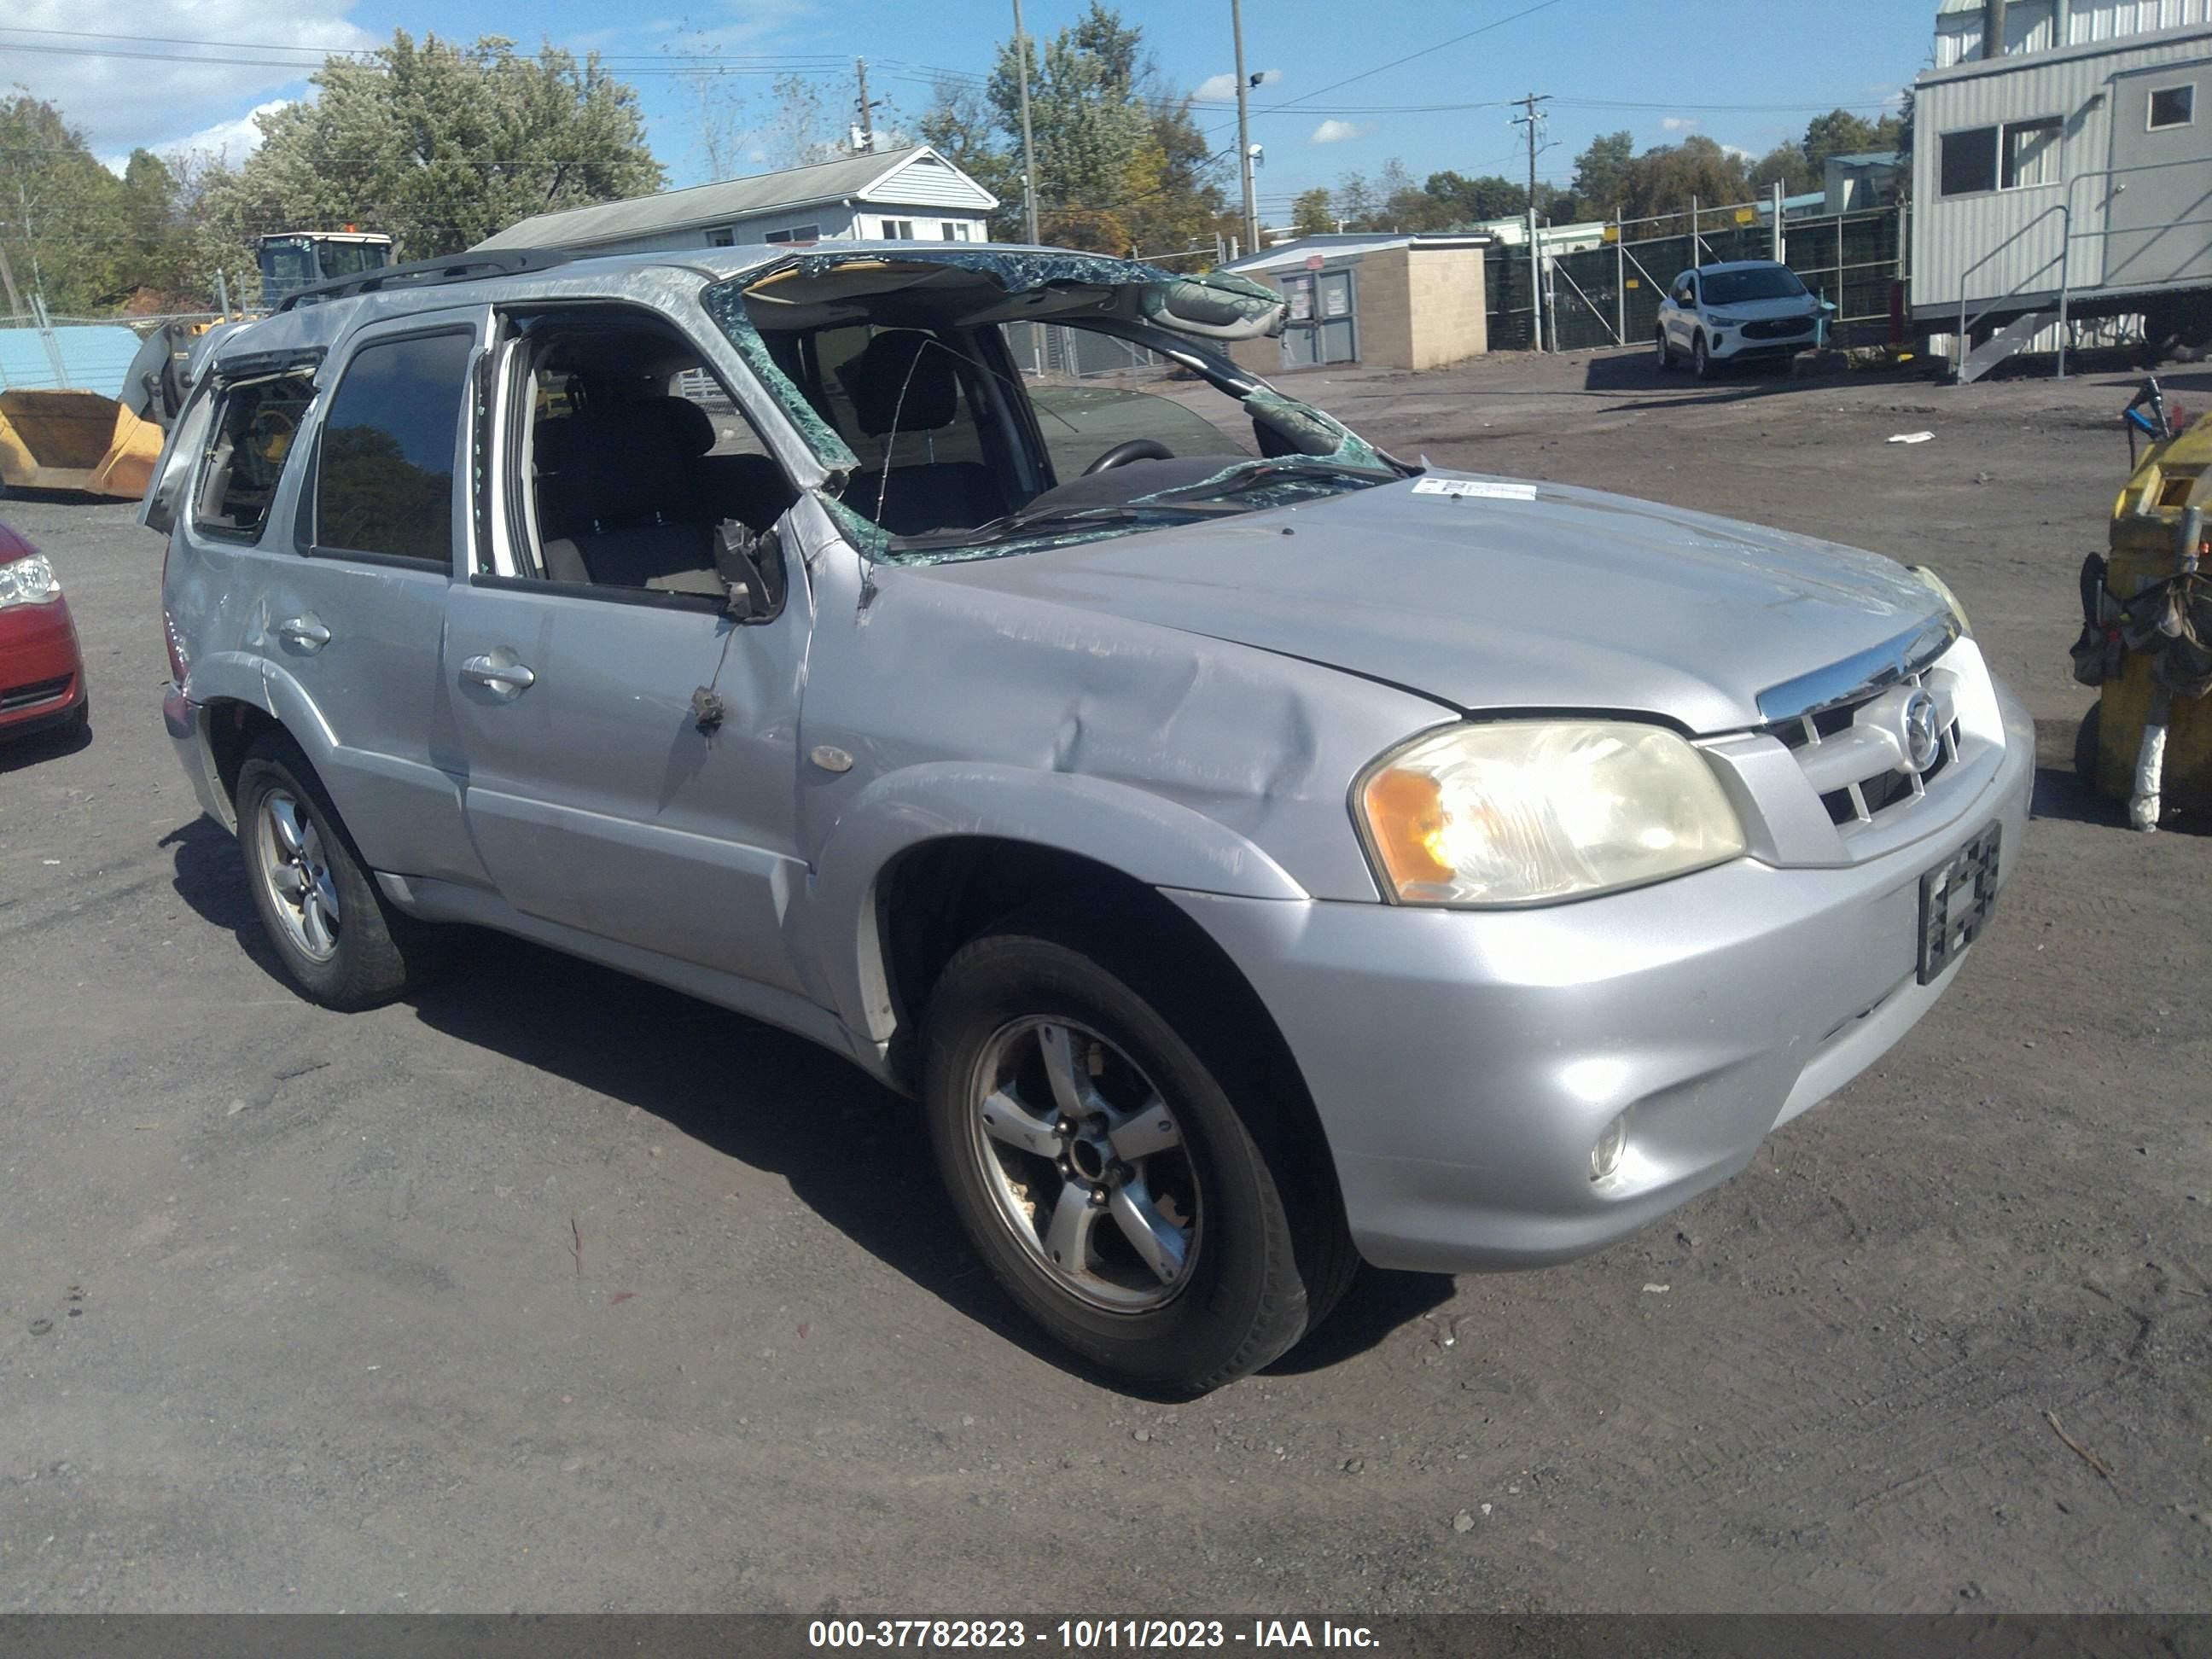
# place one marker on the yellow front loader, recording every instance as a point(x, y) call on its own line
point(61, 439)
point(75, 440)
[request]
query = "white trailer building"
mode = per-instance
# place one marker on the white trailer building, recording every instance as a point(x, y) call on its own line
point(2069, 178)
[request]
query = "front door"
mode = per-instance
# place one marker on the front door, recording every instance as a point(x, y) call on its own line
point(1322, 325)
point(595, 794)
point(2158, 212)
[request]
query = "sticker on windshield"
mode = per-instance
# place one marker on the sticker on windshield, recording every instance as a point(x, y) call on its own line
point(1495, 492)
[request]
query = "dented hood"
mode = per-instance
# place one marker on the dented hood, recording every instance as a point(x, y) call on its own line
point(1544, 597)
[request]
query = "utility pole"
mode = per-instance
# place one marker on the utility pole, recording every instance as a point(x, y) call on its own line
point(1029, 144)
point(867, 110)
point(1244, 130)
point(7, 281)
point(1535, 257)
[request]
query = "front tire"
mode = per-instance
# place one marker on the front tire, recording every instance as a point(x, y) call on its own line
point(1701, 364)
point(340, 943)
point(1107, 1175)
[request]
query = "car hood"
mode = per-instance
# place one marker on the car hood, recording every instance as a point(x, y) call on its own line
point(1540, 597)
point(1795, 304)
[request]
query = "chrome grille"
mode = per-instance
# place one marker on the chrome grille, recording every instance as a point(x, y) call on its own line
point(1854, 756)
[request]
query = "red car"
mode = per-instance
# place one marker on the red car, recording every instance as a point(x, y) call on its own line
point(41, 670)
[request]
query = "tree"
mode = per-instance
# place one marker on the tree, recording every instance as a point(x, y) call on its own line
point(1785, 165)
point(1602, 173)
point(441, 145)
point(69, 225)
point(961, 125)
point(1121, 163)
point(1309, 213)
point(1355, 202)
point(1839, 132)
point(1471, 201)
point(1665, 180)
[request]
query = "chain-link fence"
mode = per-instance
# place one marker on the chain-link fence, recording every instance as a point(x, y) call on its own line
point(1610, 296)
point(1076, 354)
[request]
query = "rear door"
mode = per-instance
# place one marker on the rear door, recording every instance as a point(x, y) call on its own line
point(354, 610)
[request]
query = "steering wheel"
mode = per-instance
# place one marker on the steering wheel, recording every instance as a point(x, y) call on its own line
point(1137, 449)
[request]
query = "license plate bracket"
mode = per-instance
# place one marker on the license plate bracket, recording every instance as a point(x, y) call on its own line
point(1956, 898)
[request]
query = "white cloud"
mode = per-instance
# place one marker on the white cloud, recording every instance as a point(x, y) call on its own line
point(1679, 123)
point(148, 100)
point(228, 142)
point(1221, 89)
point(1739, 152)
point(1335, 132)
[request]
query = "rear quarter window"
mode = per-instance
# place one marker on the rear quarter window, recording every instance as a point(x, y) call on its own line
point(255, 426)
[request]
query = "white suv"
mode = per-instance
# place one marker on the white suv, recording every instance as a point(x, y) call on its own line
point(1744, 310)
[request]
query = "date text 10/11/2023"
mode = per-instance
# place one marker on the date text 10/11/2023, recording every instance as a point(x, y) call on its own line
point(1083, 1635)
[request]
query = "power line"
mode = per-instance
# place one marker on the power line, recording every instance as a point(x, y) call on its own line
point(1528, 11)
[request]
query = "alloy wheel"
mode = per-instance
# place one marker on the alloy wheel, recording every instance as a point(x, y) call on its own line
point(297, 873)
point(1087, 1165)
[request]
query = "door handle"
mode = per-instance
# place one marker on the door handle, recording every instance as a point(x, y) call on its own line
point(499, 676)
point(305, 632)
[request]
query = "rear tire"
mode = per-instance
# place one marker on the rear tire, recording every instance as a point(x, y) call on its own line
point(1666, 355)
point(1255, 1248)
point(340, 942)
point(2087, 741)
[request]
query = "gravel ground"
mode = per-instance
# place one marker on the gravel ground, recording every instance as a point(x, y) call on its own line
point(550, 1290)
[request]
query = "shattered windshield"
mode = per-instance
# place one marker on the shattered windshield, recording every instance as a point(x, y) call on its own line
point(977, 404)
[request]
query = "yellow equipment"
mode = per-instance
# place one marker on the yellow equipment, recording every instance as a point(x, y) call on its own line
point(2147, 642)
point(75, 440)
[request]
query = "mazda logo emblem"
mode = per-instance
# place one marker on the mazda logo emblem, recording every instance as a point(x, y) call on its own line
point(1922, 731)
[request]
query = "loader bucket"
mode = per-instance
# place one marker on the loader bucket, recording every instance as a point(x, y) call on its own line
point(75, 440)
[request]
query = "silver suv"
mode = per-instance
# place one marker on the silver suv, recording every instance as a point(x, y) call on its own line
point(1257, 852)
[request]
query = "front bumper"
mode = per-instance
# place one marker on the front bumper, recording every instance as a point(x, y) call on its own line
point(186, 723)
point(1730, 346)
point(41, 667)
point(1463, 1063)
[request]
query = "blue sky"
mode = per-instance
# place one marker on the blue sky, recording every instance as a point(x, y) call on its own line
point(1743, 75)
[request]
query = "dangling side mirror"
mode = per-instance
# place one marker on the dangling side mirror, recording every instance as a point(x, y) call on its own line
point(750, 565)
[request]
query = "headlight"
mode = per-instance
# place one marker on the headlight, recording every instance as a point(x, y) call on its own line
point(27, 581)
point(1942, 591)
point(1719, 321)
point(1521, 811)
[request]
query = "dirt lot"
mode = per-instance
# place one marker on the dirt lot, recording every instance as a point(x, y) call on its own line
point(553, 1290)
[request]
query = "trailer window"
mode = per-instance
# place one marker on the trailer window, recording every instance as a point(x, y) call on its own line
point(1970, 161)
point(2173, 106)
point(2031, 153)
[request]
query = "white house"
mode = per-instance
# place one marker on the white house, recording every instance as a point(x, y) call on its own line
point(912, 195)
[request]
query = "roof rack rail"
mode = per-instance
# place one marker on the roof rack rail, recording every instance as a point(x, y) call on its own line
point(456, 268)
